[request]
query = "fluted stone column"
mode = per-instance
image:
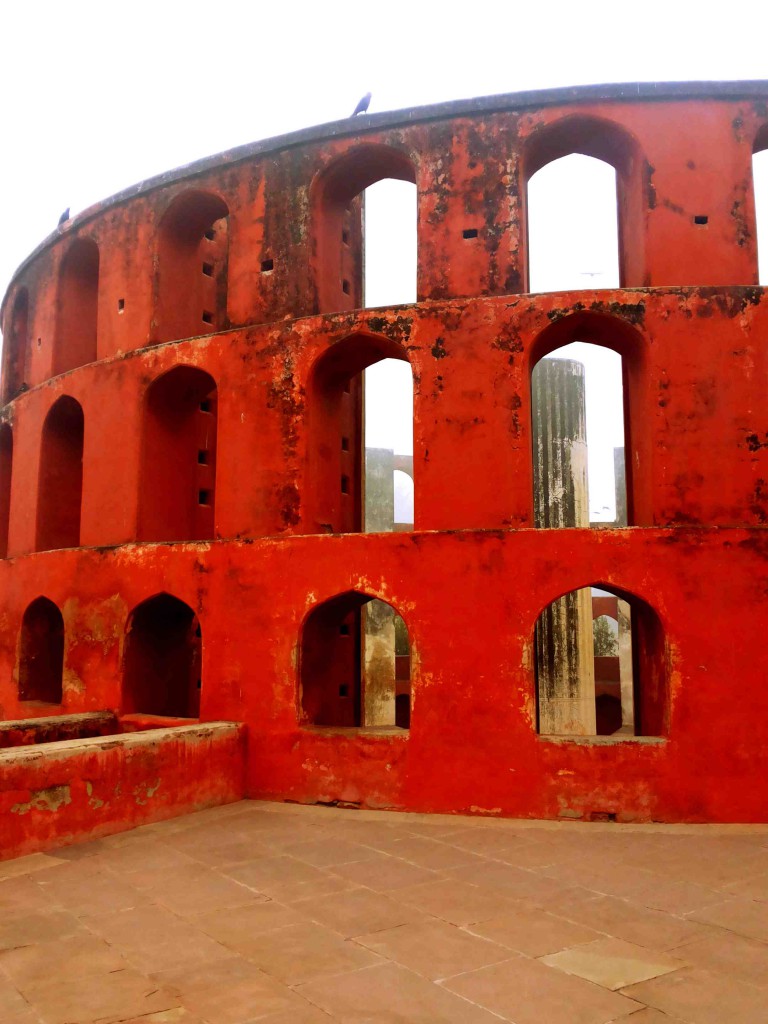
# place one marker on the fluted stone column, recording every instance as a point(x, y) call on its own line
point(564, 643)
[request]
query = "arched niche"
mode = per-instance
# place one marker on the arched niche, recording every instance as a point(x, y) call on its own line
point(593, 681)
point(611, 143)
point(77, 307)
point(355, 666)
point(163, 659)
point(60, 479)
point(6, 473)
point(178, 457)
point(17, 353)
point(337, 220)
point(41, 653)
point(343, 486)
point(191, 273)
point(553, 398)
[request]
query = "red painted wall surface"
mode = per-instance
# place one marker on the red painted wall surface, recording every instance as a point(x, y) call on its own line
point(60, 793)
point(470, 582)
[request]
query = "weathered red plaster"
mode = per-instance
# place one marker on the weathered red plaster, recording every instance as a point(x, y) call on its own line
point(471, 580)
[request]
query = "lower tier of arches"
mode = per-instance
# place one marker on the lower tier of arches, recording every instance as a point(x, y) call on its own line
point(245, 626)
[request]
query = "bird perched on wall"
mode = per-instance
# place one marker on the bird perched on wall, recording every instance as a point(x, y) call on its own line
point(363, 105)
point(64, 217)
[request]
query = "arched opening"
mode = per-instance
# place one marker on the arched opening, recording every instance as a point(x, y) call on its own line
point(178, 470)
point(41, 653)
point(577, 403)
point(350, 271)
point(17, 347)
point(590, 466)
point(6, 466)
point(78, 304)
point(355, 665)
point(403, 496)
point(60, 480)
point(192, 253)
point(352, 457)
point(584, 207)
point(760, 186)
point(162, 671)
point(600, 666)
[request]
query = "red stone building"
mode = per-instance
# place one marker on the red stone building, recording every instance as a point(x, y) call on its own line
point(180, 473)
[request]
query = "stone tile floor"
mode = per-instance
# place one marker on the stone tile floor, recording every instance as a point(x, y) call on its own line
point(308, 915)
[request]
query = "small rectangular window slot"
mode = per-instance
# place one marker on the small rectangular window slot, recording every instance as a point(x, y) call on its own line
point(204, 497)
point(267, 265)
point(208, 269)
point(701, 218)
point(210, 234)
point(202, 457)
point(345, 485)
point(348, 388)
point(343, 690)
point(199, 684)
point(120, 305)
point(205, 405)
point(207, 317)
point(344, 629)
point(345, 444)
point(470, 233)
point(345, 236)
point(346, 287)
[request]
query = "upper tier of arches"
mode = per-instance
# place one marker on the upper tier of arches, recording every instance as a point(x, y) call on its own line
point(273, 230)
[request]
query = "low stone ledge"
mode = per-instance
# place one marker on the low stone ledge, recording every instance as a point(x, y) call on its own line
point(63, 792)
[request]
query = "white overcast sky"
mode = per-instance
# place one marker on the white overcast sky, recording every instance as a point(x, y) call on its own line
point(99, 95)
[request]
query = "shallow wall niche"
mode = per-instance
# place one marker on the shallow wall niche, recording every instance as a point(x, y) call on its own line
point(41, 653)
point(593, 678)
point(77, 307)
point(191, 268)
point(602, 140)
point(60, 480)
point(6, 472)
point(337, 218)
point(17, 347)
point(355, 664)
point(163, 659)
point(178, 464)
point(335, 466)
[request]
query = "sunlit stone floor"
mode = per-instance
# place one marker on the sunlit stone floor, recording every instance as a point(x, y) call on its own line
point(307, 915)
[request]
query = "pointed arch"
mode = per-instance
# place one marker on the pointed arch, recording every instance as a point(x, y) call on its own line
point(178, 462)
point(585, 689)
point(337, 217)
point(77, 307)
point(162, 666)
point(354, 664)
point(60, 478)
point(612, 144)
point(335, 469)
point(191, 271)
point(41, 653)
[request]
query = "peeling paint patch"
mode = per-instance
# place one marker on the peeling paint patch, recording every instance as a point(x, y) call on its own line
point(145, 791)
point(49, 799)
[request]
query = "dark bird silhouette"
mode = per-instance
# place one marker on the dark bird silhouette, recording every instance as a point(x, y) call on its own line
point(64, 217)
point(363, 105)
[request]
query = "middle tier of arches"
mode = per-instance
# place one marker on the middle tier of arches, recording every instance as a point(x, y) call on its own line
point(235, 435)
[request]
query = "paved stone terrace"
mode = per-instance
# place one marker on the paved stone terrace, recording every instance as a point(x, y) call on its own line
point(308, 915)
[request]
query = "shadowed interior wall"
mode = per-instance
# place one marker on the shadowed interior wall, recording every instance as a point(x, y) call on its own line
point(77, 307)
point(60, 485)
point(163, 659)
point(41, 653)
point(178, 467)
point(191, 278)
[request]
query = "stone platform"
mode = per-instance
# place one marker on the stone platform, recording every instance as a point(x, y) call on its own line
point(283, 914)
